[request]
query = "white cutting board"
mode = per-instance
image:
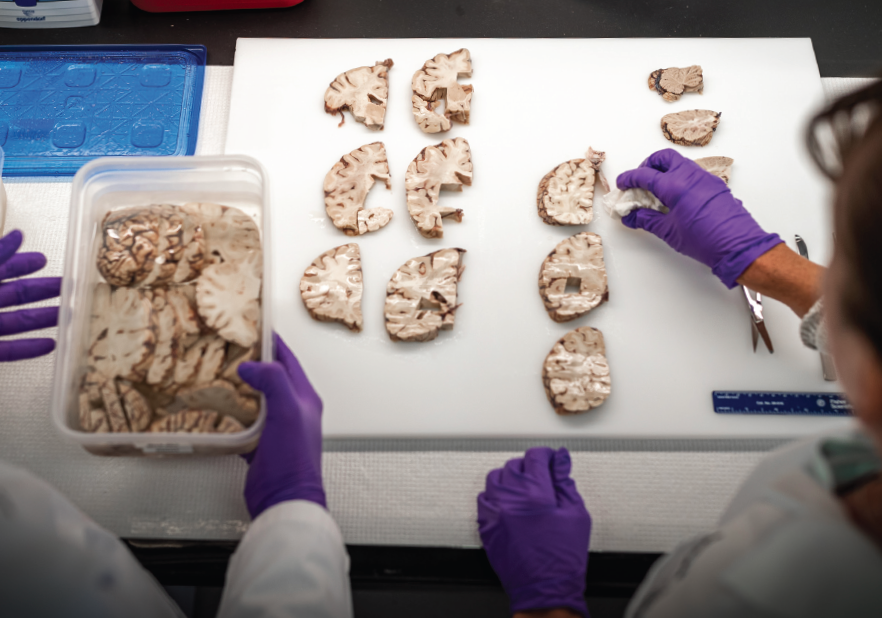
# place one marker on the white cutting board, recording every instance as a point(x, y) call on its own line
point(673, 332)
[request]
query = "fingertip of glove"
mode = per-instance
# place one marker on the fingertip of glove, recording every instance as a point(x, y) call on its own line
point(14, 237)
point(44, 345)
point(640, 178)
point(257, 374)
point(247, 370)
point(562, 464)
point(622, 180)
point(493, 480)
point(49, 285)
point(539, 452)
point(663, 160)
point(642, 219)
point(537, 461)
point(630, 220)
point(34, 261)
point(9, 244)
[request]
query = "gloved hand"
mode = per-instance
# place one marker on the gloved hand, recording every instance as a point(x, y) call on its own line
point(22, 292)
point(287, 463)
point(705, 221)
point(535, 530)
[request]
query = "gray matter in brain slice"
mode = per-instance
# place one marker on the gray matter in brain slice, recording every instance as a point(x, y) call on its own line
point(122, 332)
point(136, 406)
point(718, 166)
point(673, 82)
point(179, 312)
point(363, 91)
point(566, 193)
point(446, 166)
point(437, 80)
point(222, 397)
point(196, 421)
point(332, 287)
point(186, 421)
point(114, 408)
point(347, 185)
point(693, 127)
point(578, 261)
point(421, 296)
point(228, 298)
point(576, 372)
point(152, 245)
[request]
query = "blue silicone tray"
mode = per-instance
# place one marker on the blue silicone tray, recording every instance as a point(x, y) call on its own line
point(64, 105)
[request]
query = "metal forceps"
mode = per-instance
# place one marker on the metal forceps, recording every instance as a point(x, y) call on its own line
point(757, 323)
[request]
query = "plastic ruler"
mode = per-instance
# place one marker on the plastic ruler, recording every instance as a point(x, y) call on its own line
point(764, 402)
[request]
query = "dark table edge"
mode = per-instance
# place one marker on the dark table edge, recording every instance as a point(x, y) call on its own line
point(204, 563)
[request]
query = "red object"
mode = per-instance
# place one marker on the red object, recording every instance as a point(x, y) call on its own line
point(168, 6)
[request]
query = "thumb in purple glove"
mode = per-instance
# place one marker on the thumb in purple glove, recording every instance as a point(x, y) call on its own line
point(535, 530)
point(704, 222)
point(287, 464)
point(22, 292)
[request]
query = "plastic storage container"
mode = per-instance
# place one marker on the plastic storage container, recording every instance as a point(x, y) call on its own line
point(62, 106)
point(109, 184)
point(49, 13)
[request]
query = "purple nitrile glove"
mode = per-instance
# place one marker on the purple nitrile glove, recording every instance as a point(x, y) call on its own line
point(22, 292)
point(535, 530)
point(287, 464)
point(705, 221)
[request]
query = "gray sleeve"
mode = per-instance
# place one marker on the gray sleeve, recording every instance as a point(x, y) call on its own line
point(56, 561)
point(691, 580)
point(688, 583)
point(666, 573)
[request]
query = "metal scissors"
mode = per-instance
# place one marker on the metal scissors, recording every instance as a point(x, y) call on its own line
point(757, 323)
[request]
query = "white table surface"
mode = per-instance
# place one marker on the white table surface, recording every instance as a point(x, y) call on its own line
point(502, 331)
point(643, 495)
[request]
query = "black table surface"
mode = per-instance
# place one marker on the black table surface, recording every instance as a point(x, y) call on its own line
point(847, 34)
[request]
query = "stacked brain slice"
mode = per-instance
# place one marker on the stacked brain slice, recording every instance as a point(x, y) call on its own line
point(228, 291)
point(179, 312)
point(156, 245)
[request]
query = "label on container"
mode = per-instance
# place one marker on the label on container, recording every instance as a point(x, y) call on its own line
point(167, 449)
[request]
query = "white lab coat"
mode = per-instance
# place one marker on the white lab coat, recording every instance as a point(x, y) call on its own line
point(55, 561)
point(785, 548)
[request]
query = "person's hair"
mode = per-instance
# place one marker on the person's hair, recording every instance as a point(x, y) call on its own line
point(845, 141)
